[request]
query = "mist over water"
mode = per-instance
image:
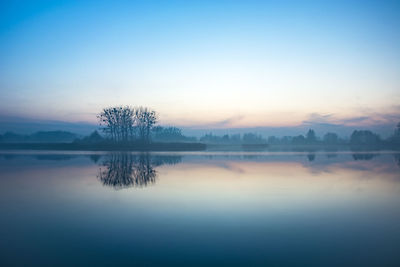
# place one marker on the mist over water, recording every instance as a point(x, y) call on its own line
point(198, 208)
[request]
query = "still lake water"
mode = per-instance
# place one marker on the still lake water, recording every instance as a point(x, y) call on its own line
point(250, 209)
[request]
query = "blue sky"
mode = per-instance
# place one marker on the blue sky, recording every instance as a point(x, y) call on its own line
point(216, 64)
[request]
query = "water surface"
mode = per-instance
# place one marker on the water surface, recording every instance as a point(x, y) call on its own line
point(310, 209)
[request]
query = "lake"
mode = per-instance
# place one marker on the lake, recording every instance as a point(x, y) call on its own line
point(200, 208)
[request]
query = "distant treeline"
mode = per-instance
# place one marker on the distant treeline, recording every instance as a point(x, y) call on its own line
point(39, 137)
point(359, 138)
point(136, 127)
point(234, 139)
point(157, 134)
point(125, 124)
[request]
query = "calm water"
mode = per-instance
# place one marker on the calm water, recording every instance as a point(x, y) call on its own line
point(323, 209)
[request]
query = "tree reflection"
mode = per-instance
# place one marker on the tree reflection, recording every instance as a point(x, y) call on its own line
point(397, 159)
point(311, 156)
point(364, 156)
point(122, 170)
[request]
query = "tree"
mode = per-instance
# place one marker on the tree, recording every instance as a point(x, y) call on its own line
point(169, 134)
point(311, 137)
point(252, 138)
point(117, 122)
point(122, 123)
point(397, 132)
point(331, 138)
point(395, 139)
point(299, 140)
point(272, 140)
point(364, 138)
point(145, 119)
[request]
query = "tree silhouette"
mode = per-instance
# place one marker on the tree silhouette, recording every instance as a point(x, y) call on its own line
point(311, 137)
point(145, 118)
point(397, 159)
point(331, 138)
point(121, 124)
point(364, 138)
point(396, 135)
point(311, 157)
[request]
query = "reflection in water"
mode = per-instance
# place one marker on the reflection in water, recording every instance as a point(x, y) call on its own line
point(95, 157)
point(397, 159)
point(121, 170)
point(331, 155)
point(364, 156)
point(311, 157)
point(258, 209)
point(125, 170)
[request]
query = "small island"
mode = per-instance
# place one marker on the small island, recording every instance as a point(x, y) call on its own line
point(123, 128)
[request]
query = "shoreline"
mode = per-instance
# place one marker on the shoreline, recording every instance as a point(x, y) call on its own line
point(171, 147)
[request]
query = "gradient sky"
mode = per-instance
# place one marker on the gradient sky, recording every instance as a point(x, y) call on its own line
point(205, 63)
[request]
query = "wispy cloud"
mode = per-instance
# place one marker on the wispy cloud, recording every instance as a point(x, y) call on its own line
point(368, 118)
point(225, 123)
point(319, 118)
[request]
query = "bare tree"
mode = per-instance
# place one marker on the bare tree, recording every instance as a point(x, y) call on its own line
point(145, 119)
point(122, 123)
point(118, 122)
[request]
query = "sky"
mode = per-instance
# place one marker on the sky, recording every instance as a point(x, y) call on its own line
point(205, 64)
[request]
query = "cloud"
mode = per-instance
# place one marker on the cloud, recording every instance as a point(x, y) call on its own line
point(318, 118)
point(225, 123)
point(368, 118)
point(229, 121)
